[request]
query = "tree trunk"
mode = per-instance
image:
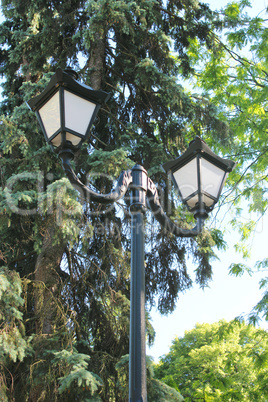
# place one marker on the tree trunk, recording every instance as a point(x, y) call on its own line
point(96, 61)
point(47, 281)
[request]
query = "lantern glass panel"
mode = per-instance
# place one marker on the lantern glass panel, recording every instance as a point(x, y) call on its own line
point(186, 179)
point(193, 201)
point(73, 138)
point(57, 140)
point(78, 114)
point(211, 178)
point(50, 115)
point(208, 201)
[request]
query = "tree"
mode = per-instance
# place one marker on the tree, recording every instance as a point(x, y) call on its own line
point(224, 361)
point(231, 78)
point(72, 258)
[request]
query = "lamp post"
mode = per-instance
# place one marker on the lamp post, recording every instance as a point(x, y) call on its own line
point(66, 111)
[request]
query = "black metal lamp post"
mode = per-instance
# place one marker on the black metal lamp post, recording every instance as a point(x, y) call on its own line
point(66, 111)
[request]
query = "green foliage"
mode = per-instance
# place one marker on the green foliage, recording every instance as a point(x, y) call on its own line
point(56, 374)
point(73, 257)
point(232, 76)
point(62, 200)
point(156, 390)
point(220, 362)
point(78, 377)
point(239, 269)
point(13, 343)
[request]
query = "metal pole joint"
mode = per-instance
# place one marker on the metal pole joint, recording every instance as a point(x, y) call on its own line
point(138, 188)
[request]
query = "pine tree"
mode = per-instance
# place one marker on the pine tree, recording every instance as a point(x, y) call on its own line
point(73, 259)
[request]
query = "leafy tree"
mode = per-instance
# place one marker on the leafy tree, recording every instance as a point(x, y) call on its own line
point(231, 78)
point(225, 361)
point(73, 259)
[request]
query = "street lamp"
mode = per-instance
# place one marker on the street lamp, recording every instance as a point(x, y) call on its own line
point(66, 111)
point(199, 176)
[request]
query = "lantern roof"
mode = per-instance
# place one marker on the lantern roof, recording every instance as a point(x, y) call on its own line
point(68, 80)
point(198, 146)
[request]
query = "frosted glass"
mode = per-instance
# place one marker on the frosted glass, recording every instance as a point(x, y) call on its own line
point(50, 115)
point(186, 178)
point(194, 200)
point(212, 177)
point(73, 138)
point(208, 201)
point(57, 140)
point(78, 112)
point(69, 137)
point(211, 181)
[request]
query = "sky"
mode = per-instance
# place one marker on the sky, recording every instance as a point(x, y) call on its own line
point(228, 296)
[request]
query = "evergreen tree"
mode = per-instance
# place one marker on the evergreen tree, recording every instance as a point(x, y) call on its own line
point(72, 258)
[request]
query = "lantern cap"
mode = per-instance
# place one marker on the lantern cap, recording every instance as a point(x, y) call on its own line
point(67, 79)
point(198, 146)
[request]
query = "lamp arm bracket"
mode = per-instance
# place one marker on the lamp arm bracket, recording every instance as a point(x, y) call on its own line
point(124, 180)
point(123, 183)
point(163, 219)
